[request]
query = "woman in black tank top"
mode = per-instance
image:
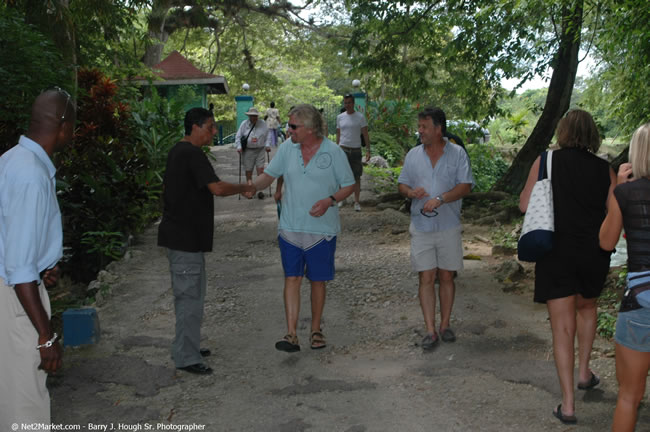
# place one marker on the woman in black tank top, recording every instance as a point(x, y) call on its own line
point(571, 276)
point(629, 207)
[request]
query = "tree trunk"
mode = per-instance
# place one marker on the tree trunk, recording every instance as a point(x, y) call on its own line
point(156, 32)
point(558, 98)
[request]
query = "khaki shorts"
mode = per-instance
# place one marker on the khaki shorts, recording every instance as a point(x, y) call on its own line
point(253, 157)
point(431, 250)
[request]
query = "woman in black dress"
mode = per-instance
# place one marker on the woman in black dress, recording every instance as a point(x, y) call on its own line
point(569, 279)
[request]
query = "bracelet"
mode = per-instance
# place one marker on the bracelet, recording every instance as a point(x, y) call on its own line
point(49, 343)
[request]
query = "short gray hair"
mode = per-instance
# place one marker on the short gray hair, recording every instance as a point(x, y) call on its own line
point(310, 116)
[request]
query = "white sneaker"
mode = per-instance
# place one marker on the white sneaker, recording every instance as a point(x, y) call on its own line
point(340, 204)
point(357, 206)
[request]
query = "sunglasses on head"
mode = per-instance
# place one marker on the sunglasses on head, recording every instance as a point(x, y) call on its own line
point(67, 101)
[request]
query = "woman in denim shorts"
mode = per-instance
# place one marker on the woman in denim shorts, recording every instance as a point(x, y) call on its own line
point(629, 208)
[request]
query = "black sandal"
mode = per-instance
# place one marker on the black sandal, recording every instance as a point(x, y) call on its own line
point(566, 419)
point(288, 344)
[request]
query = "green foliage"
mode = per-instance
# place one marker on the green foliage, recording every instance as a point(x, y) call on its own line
point(30, 64)
point(487, 165)
point(108, 245)
point(391, 125)
point(159, 126)
point(609, 302)
point(507, 236)
point(623, 48)
point(384, 179)
point(100, 173)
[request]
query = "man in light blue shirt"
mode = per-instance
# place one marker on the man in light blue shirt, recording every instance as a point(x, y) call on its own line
point(436, 176)
point(317, 175)
point(30, 247)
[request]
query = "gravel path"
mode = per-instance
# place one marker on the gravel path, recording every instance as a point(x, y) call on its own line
point(498, 376)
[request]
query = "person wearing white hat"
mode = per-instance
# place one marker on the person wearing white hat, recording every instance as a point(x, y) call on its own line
point(255, 134)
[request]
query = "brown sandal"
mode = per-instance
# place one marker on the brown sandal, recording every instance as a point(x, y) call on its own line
point(288, 344)
point(317, 340)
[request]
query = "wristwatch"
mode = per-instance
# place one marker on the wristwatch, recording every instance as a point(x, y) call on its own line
point(439, 198)
point(333, 200)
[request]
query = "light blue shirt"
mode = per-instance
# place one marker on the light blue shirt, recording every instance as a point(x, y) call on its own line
point(327, 171)
point(31, 235)
point(452, 169)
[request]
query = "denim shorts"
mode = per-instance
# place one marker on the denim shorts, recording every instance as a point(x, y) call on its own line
point(633, 329)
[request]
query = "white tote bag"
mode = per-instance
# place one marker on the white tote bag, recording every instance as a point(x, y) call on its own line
point(536, 238)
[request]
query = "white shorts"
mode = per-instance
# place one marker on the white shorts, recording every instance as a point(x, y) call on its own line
point(253, 157)
point(431, 250)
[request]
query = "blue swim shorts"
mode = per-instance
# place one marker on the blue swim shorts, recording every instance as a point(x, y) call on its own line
point(317, 261)
point(633, 329)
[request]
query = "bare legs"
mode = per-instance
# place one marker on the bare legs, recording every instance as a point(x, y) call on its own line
point(292, 303)
point(568, 316)
point(428, 297)
point(249, 174)
point(631, 371)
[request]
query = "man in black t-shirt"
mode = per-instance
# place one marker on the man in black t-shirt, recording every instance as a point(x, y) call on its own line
point(186, 231)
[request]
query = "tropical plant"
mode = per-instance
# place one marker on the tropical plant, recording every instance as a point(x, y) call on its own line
point(487, 165)
point(101, 188)
point(391, 126)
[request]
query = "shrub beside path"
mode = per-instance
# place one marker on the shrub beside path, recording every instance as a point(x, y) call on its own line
point(498, 376)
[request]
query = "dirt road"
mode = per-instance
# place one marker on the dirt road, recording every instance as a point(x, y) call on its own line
point(498, 376)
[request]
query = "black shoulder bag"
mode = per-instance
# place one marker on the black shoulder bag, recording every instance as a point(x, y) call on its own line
point(244, 141)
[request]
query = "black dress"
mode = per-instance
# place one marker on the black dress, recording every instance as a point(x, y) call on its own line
point(577, 264)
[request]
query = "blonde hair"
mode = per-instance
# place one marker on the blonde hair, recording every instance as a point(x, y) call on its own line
point(578, 130)
point(310, 116)
point(639, 155)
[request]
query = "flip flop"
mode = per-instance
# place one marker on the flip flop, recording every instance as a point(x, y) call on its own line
point(593, 382)
point(564, 418)
point(288, 344)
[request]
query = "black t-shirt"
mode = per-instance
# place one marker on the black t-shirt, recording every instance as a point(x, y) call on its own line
point(188, 216)
point(634, 200)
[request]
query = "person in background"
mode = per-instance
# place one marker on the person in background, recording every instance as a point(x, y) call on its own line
point(629, 208)
point(351, 126)
point(258, 140)
point(570, 278)
point(315, 175)
point(186, 230)
point(31, 244)
point(272, 119)
point(436, 176)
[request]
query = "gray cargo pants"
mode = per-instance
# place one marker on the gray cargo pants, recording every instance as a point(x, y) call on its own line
point(189, 286)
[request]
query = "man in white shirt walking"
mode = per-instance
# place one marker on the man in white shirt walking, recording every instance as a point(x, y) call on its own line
point(351, 126)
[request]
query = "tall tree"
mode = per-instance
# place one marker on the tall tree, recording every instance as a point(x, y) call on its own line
point(558, 98)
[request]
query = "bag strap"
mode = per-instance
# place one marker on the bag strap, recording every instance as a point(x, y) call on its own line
point(251, 130)
point(545, 162)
